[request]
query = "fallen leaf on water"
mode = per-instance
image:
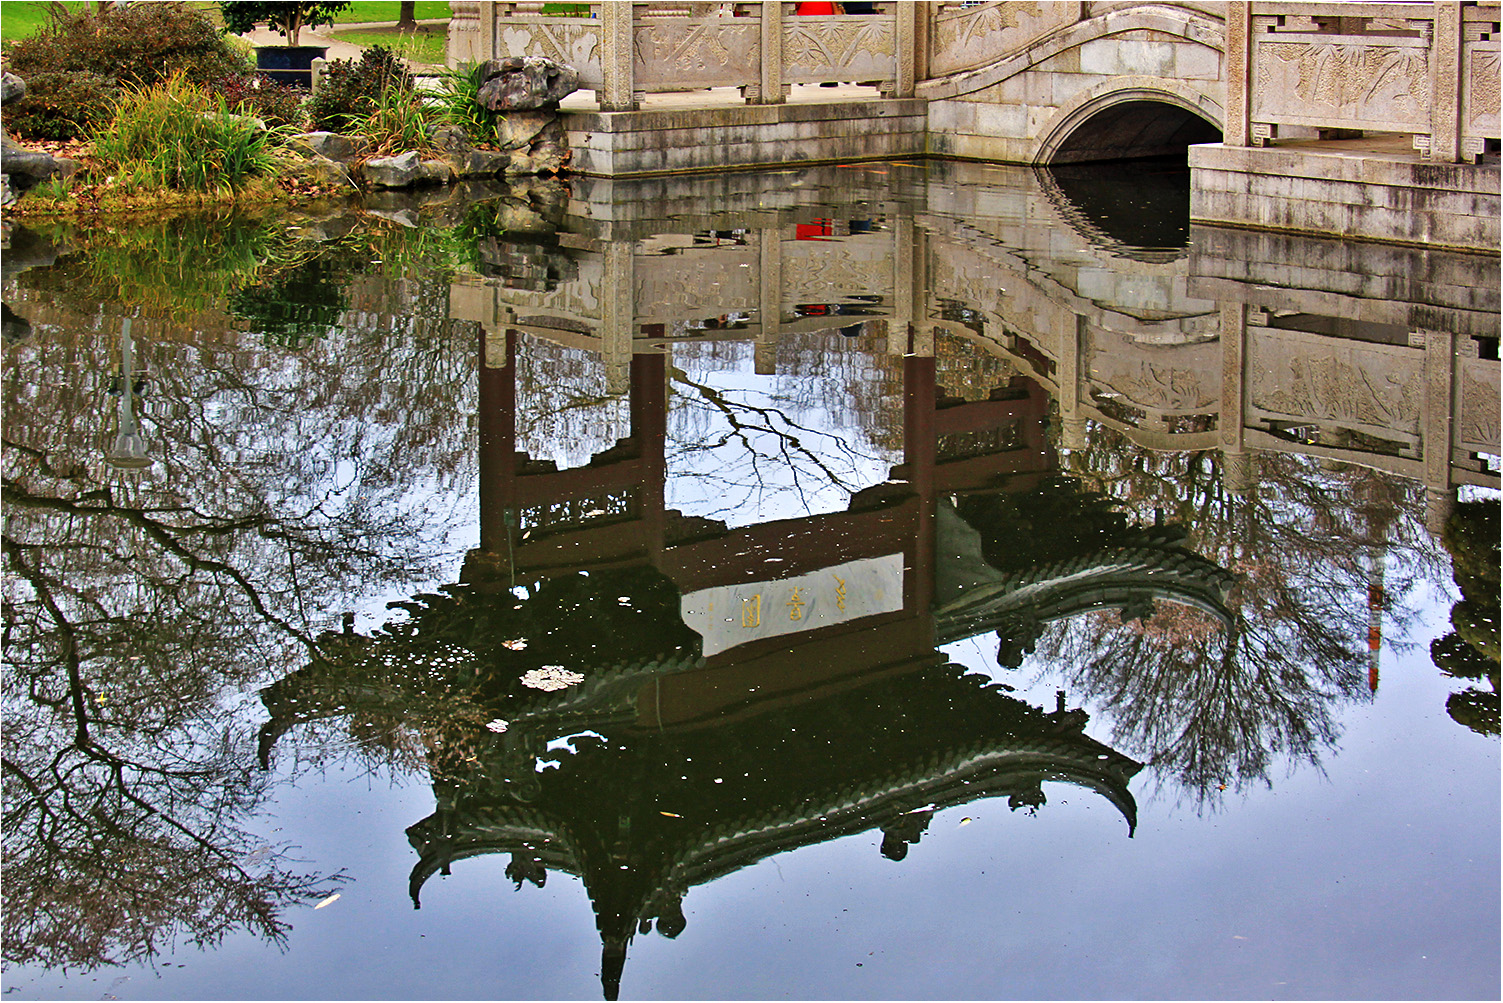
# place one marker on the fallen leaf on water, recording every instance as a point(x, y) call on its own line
point(967, 820)
point(328, 901)
point(498, 726)
point(516, 645)
point(670, 814)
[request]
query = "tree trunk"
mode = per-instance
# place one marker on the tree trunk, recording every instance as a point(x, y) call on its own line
point(406, 14)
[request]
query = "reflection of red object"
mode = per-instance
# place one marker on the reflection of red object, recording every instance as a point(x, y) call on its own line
point(813, 310)
point(814, 229)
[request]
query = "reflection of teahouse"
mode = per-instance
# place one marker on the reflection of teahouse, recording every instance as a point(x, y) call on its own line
point(642, 815)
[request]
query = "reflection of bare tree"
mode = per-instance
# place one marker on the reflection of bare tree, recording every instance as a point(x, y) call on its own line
point(1324, 558)
point(282, 488)
point(748, 450)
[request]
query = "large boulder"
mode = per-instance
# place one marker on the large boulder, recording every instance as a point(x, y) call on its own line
point(393, 172)
point(327, 144)
point(12, 88)
point(25, 168)
point(526, 83)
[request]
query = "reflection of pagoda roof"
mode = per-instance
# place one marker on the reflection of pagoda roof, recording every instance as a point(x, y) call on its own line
point(1123, 568)
point(644, 815)
point(1117, 578)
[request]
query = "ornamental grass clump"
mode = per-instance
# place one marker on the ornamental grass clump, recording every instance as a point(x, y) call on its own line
point(459, 103)
point(180, 136)
point(397, 121)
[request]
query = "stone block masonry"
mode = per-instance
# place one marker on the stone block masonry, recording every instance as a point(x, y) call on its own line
point(627, 144)
point(1334, 188)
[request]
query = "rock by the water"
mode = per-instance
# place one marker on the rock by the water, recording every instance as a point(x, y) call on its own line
point(526, 83)
point(548, 152)
point(12, 88)
point(319, 170)
point(520, 128)
point(327, 144)
point(449, 138)
point(25, 168)
point(393, 172)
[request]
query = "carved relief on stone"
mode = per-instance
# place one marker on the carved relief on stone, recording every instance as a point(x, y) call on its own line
point(701, 283)
point(576, 44)
point(712, 53)
point(982, 34)
point(1302, 82)
point(829, 271)
point(1155, 386)
point(852, 48)
point(1480, 91)
point(1477, 417)
point(1350, 387)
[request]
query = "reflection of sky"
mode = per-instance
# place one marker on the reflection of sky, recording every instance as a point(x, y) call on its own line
point(1378, 879)
point(766, 476)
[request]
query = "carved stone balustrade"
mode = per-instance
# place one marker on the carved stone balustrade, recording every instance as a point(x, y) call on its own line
point(626, 50)
point(1430, 70)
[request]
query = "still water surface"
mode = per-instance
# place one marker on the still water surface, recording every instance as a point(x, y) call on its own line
point(882, 581)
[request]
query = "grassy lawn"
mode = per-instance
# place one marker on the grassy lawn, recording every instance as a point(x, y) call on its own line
point(365, 11)
point(22, 18)
point(424, 46)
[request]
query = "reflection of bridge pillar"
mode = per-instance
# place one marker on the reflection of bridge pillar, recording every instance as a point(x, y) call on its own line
point(920, 455)
point(498, 436)
point(618, 323)
point(910, 287)
point(649, 429)
point(1072, 422)
point(1236, 464)
point(769, 300)
point(1436, 425)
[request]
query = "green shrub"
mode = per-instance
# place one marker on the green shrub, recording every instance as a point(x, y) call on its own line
point(136, 45)
point(273, 103)
point(181, 136)
point(62, 104)
point(349, 90)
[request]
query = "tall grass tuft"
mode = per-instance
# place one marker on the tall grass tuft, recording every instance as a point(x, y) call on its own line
point(397, 121)
point(459, 103)
point(181, 136)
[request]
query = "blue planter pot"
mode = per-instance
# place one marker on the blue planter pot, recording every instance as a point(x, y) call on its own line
point(290, 64)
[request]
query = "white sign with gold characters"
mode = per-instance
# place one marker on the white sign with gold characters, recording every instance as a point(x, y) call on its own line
point(728, 615)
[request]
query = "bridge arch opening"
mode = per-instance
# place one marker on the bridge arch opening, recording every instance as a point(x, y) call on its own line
point(1131, 130)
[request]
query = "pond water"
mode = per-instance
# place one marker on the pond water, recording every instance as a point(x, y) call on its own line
point(869, 581)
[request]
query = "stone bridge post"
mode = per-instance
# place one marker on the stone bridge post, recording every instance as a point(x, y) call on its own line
point(617, 23)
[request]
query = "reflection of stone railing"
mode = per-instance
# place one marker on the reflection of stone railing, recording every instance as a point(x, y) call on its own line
point(1430, 70)
point(626, 50)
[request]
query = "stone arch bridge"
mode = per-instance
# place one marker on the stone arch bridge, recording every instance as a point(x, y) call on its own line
point(1023, 82)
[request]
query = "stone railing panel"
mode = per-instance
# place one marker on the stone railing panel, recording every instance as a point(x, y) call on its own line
point(854, 48)
point(1480, 72)
point(1477, 413)
point(1305, 76)
point(967, 38)
point(678, 53)
point(1307, 378)
point(832, 271)
point(702, 282)
point(575, 41)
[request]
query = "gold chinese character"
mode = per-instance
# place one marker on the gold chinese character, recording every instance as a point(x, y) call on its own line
point(796, 604)
point(751, 611)
point(839, 593)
